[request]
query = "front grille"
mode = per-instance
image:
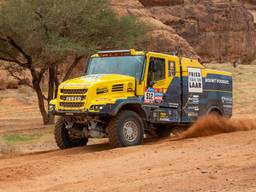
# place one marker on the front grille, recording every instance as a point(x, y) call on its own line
point(117, 87)
point(72, 98)
point(74, 91)
point(72, 104)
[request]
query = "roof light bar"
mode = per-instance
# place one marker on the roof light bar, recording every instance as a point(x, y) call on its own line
point(114, 53)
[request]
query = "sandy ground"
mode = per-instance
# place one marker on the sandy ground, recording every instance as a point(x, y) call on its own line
point(19, 111)
point(225, 162)
point(218, 163)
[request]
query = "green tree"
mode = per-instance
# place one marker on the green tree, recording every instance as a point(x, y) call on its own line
point(38, 35)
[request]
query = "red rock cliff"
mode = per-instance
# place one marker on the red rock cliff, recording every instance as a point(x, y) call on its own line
point(219, 30)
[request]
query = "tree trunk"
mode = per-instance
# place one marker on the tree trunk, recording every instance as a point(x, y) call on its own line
point(41, 104)
point(52, 74)
point(56, 80)
point(36, 79)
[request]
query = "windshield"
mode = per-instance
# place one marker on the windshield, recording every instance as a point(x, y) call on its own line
point(124, 65)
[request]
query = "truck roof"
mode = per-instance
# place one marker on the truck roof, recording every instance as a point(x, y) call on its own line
point(130, 52)
point(186, 62)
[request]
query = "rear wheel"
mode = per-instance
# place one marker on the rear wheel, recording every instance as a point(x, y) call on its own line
point(215, 113)
point(64, 138)
point(126, 129)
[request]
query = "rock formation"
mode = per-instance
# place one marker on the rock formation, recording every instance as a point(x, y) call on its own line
point(162, 37)
point(216, 30)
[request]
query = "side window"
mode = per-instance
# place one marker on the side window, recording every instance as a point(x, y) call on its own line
point(156, 69)
point(171, 68)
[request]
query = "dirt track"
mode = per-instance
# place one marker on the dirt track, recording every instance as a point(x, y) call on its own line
point(225, 162)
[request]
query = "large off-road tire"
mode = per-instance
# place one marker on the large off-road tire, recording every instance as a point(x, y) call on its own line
point(126, 129)
point(63, 138)
point(163, 131)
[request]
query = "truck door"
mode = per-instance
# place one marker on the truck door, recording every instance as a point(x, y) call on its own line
point(173, 96)
point(163, 87)
point(157, 74)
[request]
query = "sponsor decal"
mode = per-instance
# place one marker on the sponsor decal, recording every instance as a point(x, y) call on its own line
point(195, 83)
point(191, 107)
point(159, 97)
point(151, 90)
point(163, 116)
point(94, 77)
point(193, 114)
point(194, 108)
point(193, 99)
point(219, 81)
point(173, 105)
point(226, 100)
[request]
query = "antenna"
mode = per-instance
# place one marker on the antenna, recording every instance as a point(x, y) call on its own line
point(179, 51)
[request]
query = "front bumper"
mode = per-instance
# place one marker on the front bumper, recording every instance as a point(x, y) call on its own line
point(78, 113)
point(108, 110)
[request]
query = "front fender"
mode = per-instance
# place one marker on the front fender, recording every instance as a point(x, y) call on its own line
point(119, 105)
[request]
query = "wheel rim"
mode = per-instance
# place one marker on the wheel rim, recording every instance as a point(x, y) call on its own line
point(130, 130)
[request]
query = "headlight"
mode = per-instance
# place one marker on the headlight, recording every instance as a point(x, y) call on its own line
point(96, 107)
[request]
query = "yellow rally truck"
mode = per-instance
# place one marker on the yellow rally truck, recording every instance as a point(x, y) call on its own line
point(126, 94)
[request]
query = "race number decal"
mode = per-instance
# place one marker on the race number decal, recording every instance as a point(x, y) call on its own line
point(195, 83)
point(149, 97)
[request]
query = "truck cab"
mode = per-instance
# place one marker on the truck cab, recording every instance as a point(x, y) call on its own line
point(127, 93)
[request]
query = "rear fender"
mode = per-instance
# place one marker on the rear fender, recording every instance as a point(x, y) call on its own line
point(214, 108)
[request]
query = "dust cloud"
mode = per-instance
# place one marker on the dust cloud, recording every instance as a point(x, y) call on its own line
point(213, 125)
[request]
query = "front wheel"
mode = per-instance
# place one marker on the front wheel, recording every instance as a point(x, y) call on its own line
point(64, 138)
point(126, 129)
